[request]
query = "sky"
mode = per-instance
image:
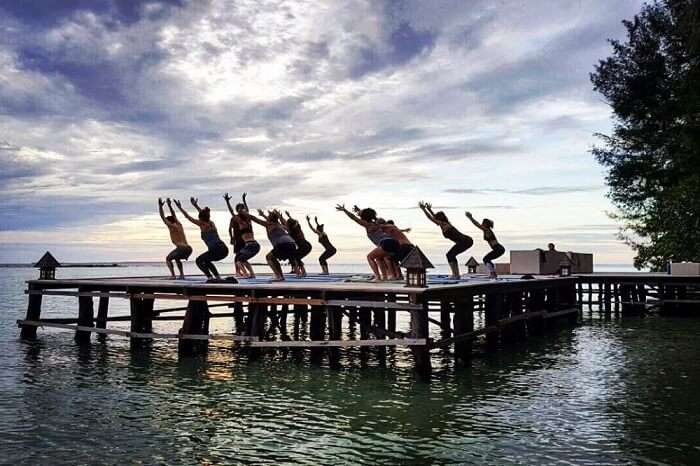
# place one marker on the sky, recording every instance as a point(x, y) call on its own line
point(484, 106)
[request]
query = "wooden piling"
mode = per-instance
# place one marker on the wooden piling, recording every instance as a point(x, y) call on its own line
point(317, 330)
point(463, 324)
point(419, 329)
point(335, 329)
point(196, 322)
point(86, 318)
point(493, 308)
point(28, 332)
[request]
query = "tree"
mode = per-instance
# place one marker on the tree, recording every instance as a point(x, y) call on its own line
point(652, 157)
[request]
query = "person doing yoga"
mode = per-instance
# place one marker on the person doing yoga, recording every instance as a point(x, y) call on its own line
point(283, 245)
point(303, 246)
point(216, 249)
point(329, 249)
point(182, 250)
point(462, 241)
point(241, 231)
point(497, 250)
point(385, 244)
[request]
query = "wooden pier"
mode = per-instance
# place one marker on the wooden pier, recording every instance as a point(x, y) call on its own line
point(441, 315)
point(512, 310)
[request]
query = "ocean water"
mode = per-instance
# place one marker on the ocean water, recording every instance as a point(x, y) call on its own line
point(605, 392)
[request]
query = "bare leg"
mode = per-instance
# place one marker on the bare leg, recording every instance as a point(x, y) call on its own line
point(454, 267)
point(275, 266)
point(249, 268)
point(324, 269)
point(170, 267)
point(374, 263)
point(397, 270)
point(386, 268)
point(179, 268)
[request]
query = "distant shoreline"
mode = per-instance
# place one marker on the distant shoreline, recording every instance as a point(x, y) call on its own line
point(78, 265)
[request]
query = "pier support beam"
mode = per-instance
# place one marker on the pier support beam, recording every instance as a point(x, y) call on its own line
point(86, 318)
point(463, 323)
point(196, 323)
point(419, 329)
point(317, 331)
point(335, 332)
point(33, 313)
point(493, 312)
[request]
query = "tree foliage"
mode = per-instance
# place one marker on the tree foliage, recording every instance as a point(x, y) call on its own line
point(652, 157)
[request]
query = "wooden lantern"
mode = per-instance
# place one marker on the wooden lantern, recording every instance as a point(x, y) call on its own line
point(47, 267)
point(416, 265)
point(472, 264)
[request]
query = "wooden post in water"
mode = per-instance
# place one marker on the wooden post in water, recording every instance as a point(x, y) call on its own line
point(86, 317)
point(28, 332)
point(380, 333)
point(335, 332)
point(196, 322)
point(445, 318)
point(391, 315)
point(365, 318)
point(463, 324)
point(493, 308)
point(317, 330)
point(419, 329)
point(102, 314)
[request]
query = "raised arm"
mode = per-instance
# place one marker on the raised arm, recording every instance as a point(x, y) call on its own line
point(170, 208)
point(353, 217)
point(195, 203)
point(227, 198)
point(245, 202)
point(187, 216)
point(424, 207)
point(476, 224)
point(160, 211)
point(308, 220)
point(257, 220)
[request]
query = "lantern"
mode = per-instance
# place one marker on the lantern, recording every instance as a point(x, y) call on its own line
point(472, 264)
point(47, 266)
point(416, 265)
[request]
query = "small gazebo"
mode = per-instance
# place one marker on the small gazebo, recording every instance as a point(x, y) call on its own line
point(416, 265)
point(472, 264)
point(47, 266)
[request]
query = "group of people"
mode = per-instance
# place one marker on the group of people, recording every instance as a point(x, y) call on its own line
point(285, 234)
point(391, 245)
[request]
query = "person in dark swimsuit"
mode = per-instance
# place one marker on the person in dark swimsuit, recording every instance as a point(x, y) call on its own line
point(216, 249)
point(303, 246)
point(497, 250)
point(405, 246)
point(241, 231)
point(462, 241)
point(329, 250)
point(385, 244)
point(283, 245)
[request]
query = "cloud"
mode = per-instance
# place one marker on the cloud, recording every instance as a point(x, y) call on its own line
point(536, 191)
point(107, 104)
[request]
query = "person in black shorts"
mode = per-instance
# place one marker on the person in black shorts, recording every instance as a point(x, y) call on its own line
point(497, 250)
point(182, 250)
point(303, 246)
point(462, 241)
point(283, 245)
point(329, 250)
point(242, 238)
point(385, 245)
